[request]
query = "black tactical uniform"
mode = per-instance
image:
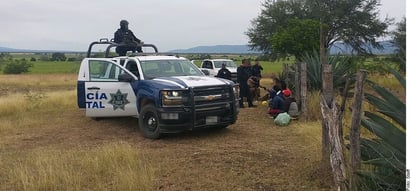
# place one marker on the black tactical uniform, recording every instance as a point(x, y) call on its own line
point(127, 39)
point(243, 74)
point(224, 73)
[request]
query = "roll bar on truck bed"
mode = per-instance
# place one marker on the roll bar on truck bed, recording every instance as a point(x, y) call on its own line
point(112, 44)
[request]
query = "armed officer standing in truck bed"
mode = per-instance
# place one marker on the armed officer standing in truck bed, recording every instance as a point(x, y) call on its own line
point(128, 41)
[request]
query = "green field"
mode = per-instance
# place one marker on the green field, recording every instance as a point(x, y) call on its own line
point(58, 67)
point(54, 67)
point(270, 68)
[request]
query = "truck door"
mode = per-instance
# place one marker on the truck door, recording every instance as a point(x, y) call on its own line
point(105, 95)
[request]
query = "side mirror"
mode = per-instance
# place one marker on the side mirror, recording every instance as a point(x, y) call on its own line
point(125, 77)
point(206, 72)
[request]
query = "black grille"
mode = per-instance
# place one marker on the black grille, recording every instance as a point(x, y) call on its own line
point(210, 95)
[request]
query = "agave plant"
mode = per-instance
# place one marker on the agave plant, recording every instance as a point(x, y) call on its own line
point(384, 157)
point(343, 67)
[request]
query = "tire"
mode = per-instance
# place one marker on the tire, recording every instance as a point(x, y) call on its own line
point(149, 122)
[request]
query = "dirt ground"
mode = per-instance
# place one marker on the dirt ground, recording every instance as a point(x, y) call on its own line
point(253, 154)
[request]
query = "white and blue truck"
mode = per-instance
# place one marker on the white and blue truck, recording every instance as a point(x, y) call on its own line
point(167, 93)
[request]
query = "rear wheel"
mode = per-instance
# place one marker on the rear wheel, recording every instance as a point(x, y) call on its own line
point(149, 122)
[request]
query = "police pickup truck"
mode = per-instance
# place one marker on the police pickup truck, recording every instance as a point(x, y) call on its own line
point(167, 93)
point(214, 65)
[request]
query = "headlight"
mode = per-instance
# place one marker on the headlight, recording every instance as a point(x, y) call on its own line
point(174, 98)
point(236, 91)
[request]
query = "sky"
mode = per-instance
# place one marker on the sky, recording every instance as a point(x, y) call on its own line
point(169, 24)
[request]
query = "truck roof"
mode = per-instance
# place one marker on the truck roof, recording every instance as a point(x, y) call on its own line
point(220, 59)
point(158, 57)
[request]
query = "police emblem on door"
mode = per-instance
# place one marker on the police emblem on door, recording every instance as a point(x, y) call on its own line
point(118, 100)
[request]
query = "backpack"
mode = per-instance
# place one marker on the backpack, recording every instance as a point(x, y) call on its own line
point(282, 119)
point(293, 109)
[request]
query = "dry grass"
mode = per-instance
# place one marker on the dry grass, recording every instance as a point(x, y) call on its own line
point(115, 166)
point(51, 145)
point(17, 110)
point(35, 82)
point(46, 143)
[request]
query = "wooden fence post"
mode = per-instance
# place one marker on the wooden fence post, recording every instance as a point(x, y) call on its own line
point(337, 159)
point(303, 90)
point(297, 84)
point(285, 73)
point(355, 129)
point(327, 93)
point(344, 95)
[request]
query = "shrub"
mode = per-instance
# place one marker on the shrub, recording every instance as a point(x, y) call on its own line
point(17, 67)
point(58, 56)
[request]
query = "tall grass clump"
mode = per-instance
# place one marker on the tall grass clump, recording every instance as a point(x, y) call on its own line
point(19, 103)
point(29, 109)
point(116, 166)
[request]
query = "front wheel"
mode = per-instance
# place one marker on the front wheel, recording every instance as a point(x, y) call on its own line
point(149, 122)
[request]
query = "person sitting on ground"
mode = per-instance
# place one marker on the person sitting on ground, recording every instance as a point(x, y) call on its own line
point(126, 39)
point(273, 91)
point(224, 73)
point(288, 99)
point(284, 87)
point(276, 103)
point(291, 107)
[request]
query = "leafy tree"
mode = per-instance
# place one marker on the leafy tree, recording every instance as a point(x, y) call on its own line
point(58, 56)
point(17, 67)
point(355, 22)
point(274, 15)
point(300, 36)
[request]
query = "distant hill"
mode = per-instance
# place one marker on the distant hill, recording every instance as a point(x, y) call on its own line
point(388, 48)
point(217, 49)
point(14, 50)
point(5, 49)
point(342, 48)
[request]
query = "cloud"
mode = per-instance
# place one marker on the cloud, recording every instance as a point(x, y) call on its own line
point(73, 24)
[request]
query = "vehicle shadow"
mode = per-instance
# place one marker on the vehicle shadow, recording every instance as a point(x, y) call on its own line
point(130, 124)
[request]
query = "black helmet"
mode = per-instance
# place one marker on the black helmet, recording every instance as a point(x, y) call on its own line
point(123, 23)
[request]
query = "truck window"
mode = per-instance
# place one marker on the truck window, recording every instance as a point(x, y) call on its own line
point(166, 68)
point(207, 64)
point(103, 71)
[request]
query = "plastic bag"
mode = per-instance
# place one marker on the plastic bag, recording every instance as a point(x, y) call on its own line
point(282, 119)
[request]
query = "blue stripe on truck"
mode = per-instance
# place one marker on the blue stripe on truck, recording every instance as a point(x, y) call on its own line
point(81, 94)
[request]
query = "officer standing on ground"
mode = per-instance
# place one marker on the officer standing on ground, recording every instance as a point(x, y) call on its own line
point(243, 74)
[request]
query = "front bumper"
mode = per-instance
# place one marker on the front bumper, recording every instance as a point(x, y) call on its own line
point(190, 118)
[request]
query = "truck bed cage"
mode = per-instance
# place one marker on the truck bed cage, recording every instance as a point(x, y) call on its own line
point(112, 44)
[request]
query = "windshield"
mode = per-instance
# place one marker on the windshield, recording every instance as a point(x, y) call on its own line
point(166, 68)
point(229, 63)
